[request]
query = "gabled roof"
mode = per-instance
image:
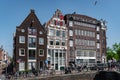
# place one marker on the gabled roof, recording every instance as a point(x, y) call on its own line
point(55, 15)
point(30, 19)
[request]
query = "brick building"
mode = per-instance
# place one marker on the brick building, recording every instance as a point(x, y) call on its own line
point(63, 39)
point(30, 44)
point(86, 39)
point(4, 60)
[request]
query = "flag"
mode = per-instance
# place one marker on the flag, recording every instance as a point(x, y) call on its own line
point(19, 60)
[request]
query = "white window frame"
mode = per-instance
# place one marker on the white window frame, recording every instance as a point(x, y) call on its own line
point(20, 52)
point(51, 32)
point(98, 36)
point(41, 41)
point(98, 28)
point(56, 42)
point(21, 39)
point(70, 32)
point(58, 33)
point(40, 32)
point(64, 43)
point(98, 45)
point(39, 52)
point(71, 43)
point(70, 23)
point(30, 64)
point(63, 34)
point(52, 41)
point(21, 66)
point(76, 32)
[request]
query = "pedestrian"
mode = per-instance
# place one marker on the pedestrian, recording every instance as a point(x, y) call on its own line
point(109, 64)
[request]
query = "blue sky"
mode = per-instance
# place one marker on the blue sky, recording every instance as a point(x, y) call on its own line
point(13, 12)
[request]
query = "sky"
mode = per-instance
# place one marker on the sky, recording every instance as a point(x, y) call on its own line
point(13, 12)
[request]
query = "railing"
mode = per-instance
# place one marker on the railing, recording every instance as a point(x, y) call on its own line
point(74, 69)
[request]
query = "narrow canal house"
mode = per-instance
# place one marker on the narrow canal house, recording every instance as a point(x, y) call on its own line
point(57, 41)
point(30, 44)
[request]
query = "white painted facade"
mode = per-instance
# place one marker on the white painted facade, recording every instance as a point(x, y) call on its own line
point(56, 41)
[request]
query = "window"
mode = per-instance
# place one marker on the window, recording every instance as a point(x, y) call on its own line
point(90, 34)
point(70, 33)
point(98, 45)
point(79, 53)
point(32, 42)
point(76, 41)
point(51, 32)
point(32, 31)
point(30, 65)
point(41, 41)
point(81, 32)
point(98, 36)
point(32, 54)
point(21, 39)
point(57, 42)
point(98, 29)
point(63, 33)
point(41, 52)
point(91, 60)
point(23, 30)
point(57, 33)
point(70, 23)
point(85, 33)
point(71, 43)
point(21, 66)
point(93, 34)
point(85, 54)
point(63, 43)
point(76, 32)
point(21, 52)
point(91, 53)
point(51, 42)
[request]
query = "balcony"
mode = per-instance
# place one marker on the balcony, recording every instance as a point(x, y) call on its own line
point(32, 31)
point(32, 58)
point(33, 45)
